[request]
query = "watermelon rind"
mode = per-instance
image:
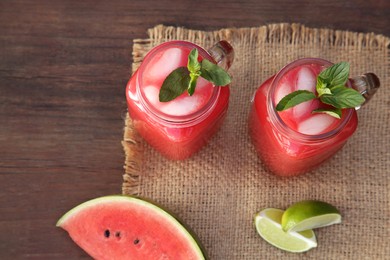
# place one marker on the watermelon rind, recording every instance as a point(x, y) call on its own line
point(189, 234)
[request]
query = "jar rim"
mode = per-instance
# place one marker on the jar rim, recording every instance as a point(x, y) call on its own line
point(191, 118)
point(283, 127)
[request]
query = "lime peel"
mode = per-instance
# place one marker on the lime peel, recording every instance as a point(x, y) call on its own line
point(309, 214)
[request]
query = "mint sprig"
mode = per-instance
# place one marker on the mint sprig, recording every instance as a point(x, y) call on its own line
point(331, 90)
point(185, 78)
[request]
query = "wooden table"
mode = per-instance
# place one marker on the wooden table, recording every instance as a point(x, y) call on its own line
point(63, 68)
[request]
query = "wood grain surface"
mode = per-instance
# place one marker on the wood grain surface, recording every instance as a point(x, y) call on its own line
point(63, 70)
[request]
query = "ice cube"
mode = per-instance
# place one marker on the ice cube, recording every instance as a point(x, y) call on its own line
point(306, 80)
point(160, 68)
point(302, 109)
point(316, 124)
point(283, 90)
point(201, 83)
point(182, 105)
point(151, 94)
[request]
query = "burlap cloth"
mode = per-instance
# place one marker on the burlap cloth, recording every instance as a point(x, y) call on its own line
point(217, 191)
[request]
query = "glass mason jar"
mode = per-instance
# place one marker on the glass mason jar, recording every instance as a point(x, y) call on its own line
point(178, 128)
point(295, 141)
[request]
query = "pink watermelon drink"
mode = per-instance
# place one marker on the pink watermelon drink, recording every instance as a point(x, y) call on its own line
point(180, 127)
point(295, 141)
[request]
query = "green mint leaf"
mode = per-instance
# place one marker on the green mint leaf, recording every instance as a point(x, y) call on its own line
point(321, 87)
point(332, 112)
point(294, 99)
point(192, 84)
point(214, 73)
point(343, 97)
point(193, 64)
point(175, 84)
point(336, 75)
point(324, 91)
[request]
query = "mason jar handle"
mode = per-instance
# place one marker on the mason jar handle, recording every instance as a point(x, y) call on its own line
point(367, 85)
point(223, 53)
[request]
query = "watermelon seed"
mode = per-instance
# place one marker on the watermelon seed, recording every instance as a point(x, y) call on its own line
point(136, 241)
point(118, 234)
point(107, 233)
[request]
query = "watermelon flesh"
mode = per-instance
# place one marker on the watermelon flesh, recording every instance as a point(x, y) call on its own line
point(123, 227)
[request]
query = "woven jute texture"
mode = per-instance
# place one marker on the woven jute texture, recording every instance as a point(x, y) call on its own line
point(218, 190)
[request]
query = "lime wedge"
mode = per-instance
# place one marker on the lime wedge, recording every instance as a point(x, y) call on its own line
point(309, 214)
point(268, 226)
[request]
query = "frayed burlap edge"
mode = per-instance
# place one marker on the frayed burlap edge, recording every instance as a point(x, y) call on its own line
point(133, 158)
point(294, 34)
point(272, 33)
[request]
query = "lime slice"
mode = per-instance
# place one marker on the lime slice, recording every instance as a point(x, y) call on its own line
point(309, 214)
point(268, 226)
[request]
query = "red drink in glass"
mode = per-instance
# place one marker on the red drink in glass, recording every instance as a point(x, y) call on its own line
point(296, 141)
point(180, 127)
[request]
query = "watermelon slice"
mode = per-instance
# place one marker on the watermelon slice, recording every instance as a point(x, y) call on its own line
point(124, 227)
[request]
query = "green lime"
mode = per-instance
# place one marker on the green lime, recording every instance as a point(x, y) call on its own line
point(309, 214)
point(268, 226)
